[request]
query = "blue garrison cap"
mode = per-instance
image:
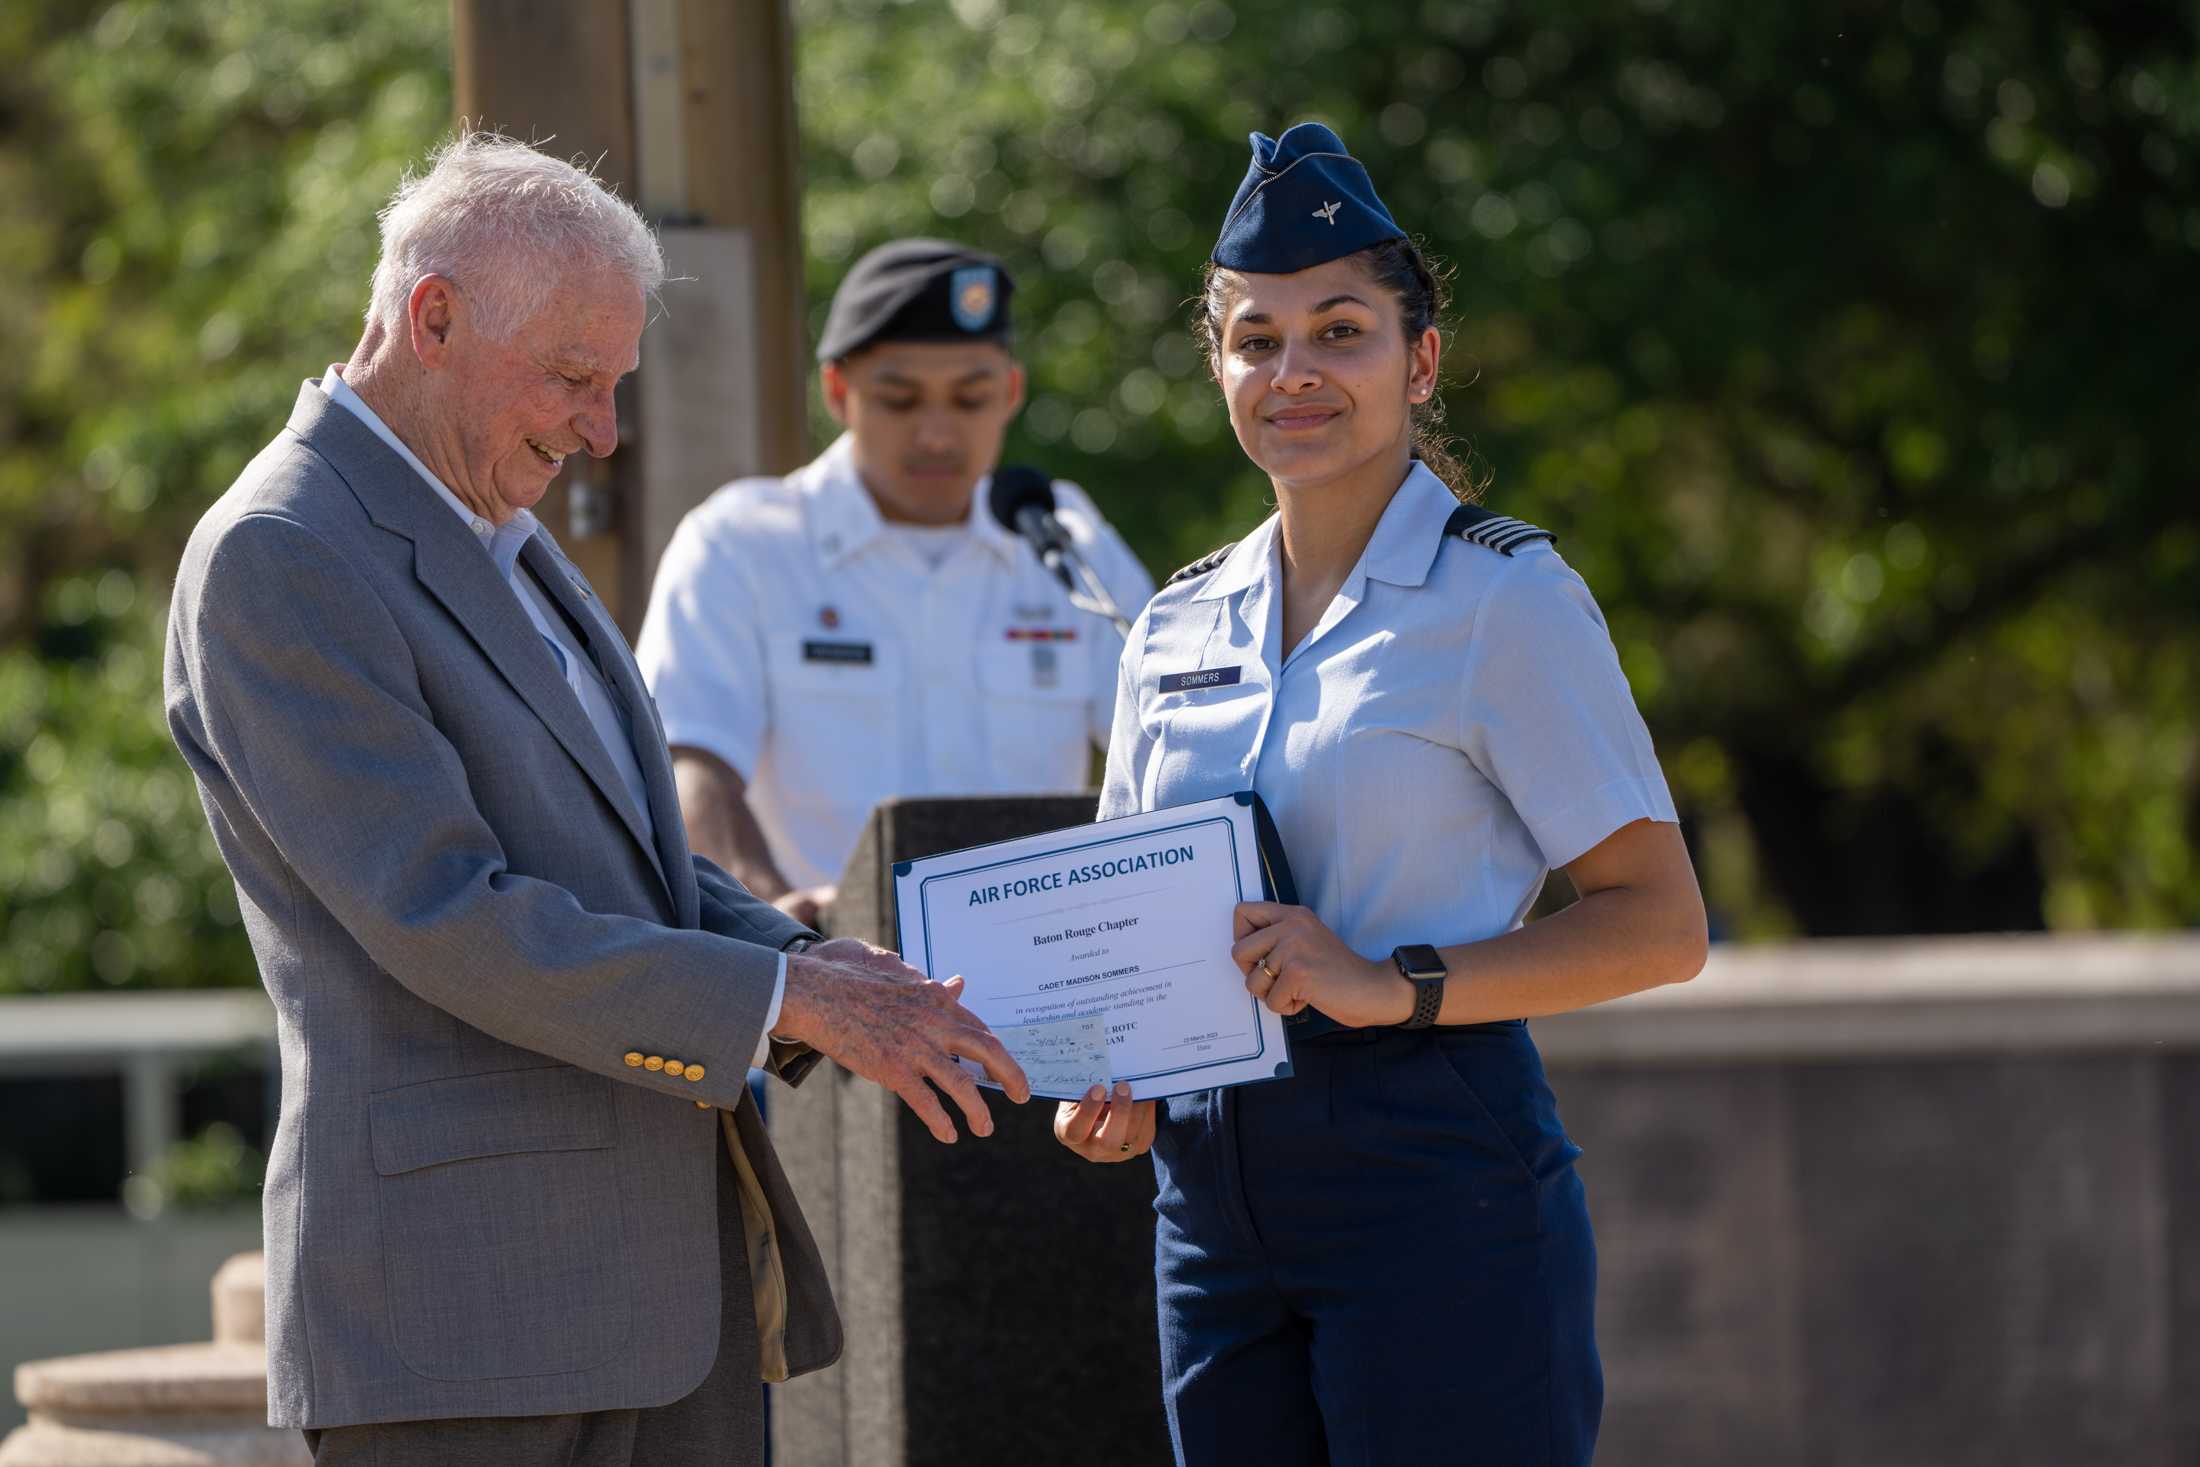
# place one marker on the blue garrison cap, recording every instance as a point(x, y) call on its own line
point(1305, 201)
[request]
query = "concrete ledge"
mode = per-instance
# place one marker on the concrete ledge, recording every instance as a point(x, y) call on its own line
point(183, 1379)
point(212, 1443)
point(1858, 999)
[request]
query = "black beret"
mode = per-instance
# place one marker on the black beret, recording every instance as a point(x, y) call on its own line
point(917, 290)
point(1304, 202)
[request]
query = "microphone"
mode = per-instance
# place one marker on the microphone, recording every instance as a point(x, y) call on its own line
point(1022, 499)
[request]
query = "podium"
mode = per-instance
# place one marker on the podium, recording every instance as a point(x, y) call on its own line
point(998, 1293)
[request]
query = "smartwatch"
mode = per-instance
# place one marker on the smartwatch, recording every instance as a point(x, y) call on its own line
point(1424, 969)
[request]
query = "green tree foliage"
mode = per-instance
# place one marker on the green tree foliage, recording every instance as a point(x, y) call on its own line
point(1837, 341)
point(185, 187)
point(216, 1168)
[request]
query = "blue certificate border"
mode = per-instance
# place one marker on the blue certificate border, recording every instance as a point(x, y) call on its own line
point(1237, 875)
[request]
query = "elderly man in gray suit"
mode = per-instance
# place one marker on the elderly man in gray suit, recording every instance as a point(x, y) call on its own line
point(519, 1208)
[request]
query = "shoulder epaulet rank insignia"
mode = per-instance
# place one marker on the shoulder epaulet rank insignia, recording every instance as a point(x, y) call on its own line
point(1202, 565)
point(1492, 531)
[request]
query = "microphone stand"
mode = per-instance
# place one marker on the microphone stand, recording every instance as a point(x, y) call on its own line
point(1022, 499)
point(1056, 553)
point(1095, 598)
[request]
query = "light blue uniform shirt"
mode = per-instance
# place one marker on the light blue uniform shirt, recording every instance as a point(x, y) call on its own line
point(1456, 724)
point(503, 544)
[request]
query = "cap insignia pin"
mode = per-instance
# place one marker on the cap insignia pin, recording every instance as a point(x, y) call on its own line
point(1327, 213)
point(971, 296)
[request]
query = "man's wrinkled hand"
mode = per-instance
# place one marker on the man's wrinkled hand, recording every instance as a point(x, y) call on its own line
point(885, 962)
point(880, 1018)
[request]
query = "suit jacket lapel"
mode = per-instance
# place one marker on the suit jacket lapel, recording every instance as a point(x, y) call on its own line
point(458, 574)
point(453, 568)
point(608, 646)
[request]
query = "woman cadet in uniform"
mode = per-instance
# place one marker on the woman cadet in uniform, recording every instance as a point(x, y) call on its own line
point(1385, 1259)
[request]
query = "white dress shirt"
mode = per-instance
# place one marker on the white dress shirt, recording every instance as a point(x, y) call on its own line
point(834, 660)
point(502, 543)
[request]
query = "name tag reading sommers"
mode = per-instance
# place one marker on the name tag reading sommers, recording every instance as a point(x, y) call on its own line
point(1125, 924)
point(1206, 677)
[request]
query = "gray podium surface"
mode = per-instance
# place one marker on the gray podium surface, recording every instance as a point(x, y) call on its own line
point(1929, 1203)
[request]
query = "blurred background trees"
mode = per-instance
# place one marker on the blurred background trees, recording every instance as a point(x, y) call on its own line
point(1838, 343)
point(187, 189)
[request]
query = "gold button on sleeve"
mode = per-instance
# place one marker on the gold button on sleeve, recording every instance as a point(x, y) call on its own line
point(654, 1063)
point(675, 1069)
point(633, 1059)
point(695, 1072)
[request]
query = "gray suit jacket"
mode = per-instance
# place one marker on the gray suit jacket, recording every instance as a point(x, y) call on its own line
point(475, 1206)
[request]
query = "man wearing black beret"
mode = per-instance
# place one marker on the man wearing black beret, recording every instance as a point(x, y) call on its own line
point(863, 628)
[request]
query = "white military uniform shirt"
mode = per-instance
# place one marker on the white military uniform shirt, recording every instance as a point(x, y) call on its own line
point(794, 636)
point(1455, 725)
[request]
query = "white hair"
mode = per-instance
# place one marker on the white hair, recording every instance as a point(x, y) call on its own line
point(506, 223)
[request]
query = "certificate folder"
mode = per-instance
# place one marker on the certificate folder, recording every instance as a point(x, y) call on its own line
point(1101, 951)
point(1275, 866)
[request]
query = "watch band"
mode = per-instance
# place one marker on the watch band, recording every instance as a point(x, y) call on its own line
point(1428, 999)
point(1421, 966)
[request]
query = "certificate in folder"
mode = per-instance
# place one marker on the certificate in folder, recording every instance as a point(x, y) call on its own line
point(1102, 952)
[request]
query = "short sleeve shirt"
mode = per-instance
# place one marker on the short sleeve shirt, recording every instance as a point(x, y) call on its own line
point(1455, 725)
point(832, 666)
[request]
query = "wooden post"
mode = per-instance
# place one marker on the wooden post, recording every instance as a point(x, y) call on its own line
point(689, 106)
point(723, 380)
point(555, 72)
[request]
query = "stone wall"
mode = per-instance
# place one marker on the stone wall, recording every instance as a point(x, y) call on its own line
point(1921, 1204)
point(1908, 1204)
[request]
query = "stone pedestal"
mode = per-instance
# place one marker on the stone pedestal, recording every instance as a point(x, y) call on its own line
point(998, 1293)
point(201, 1405)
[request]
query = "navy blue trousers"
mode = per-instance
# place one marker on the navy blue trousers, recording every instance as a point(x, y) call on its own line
point(1383, 1260)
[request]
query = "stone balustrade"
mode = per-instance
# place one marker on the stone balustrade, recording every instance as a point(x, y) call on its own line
point(202, 1405)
